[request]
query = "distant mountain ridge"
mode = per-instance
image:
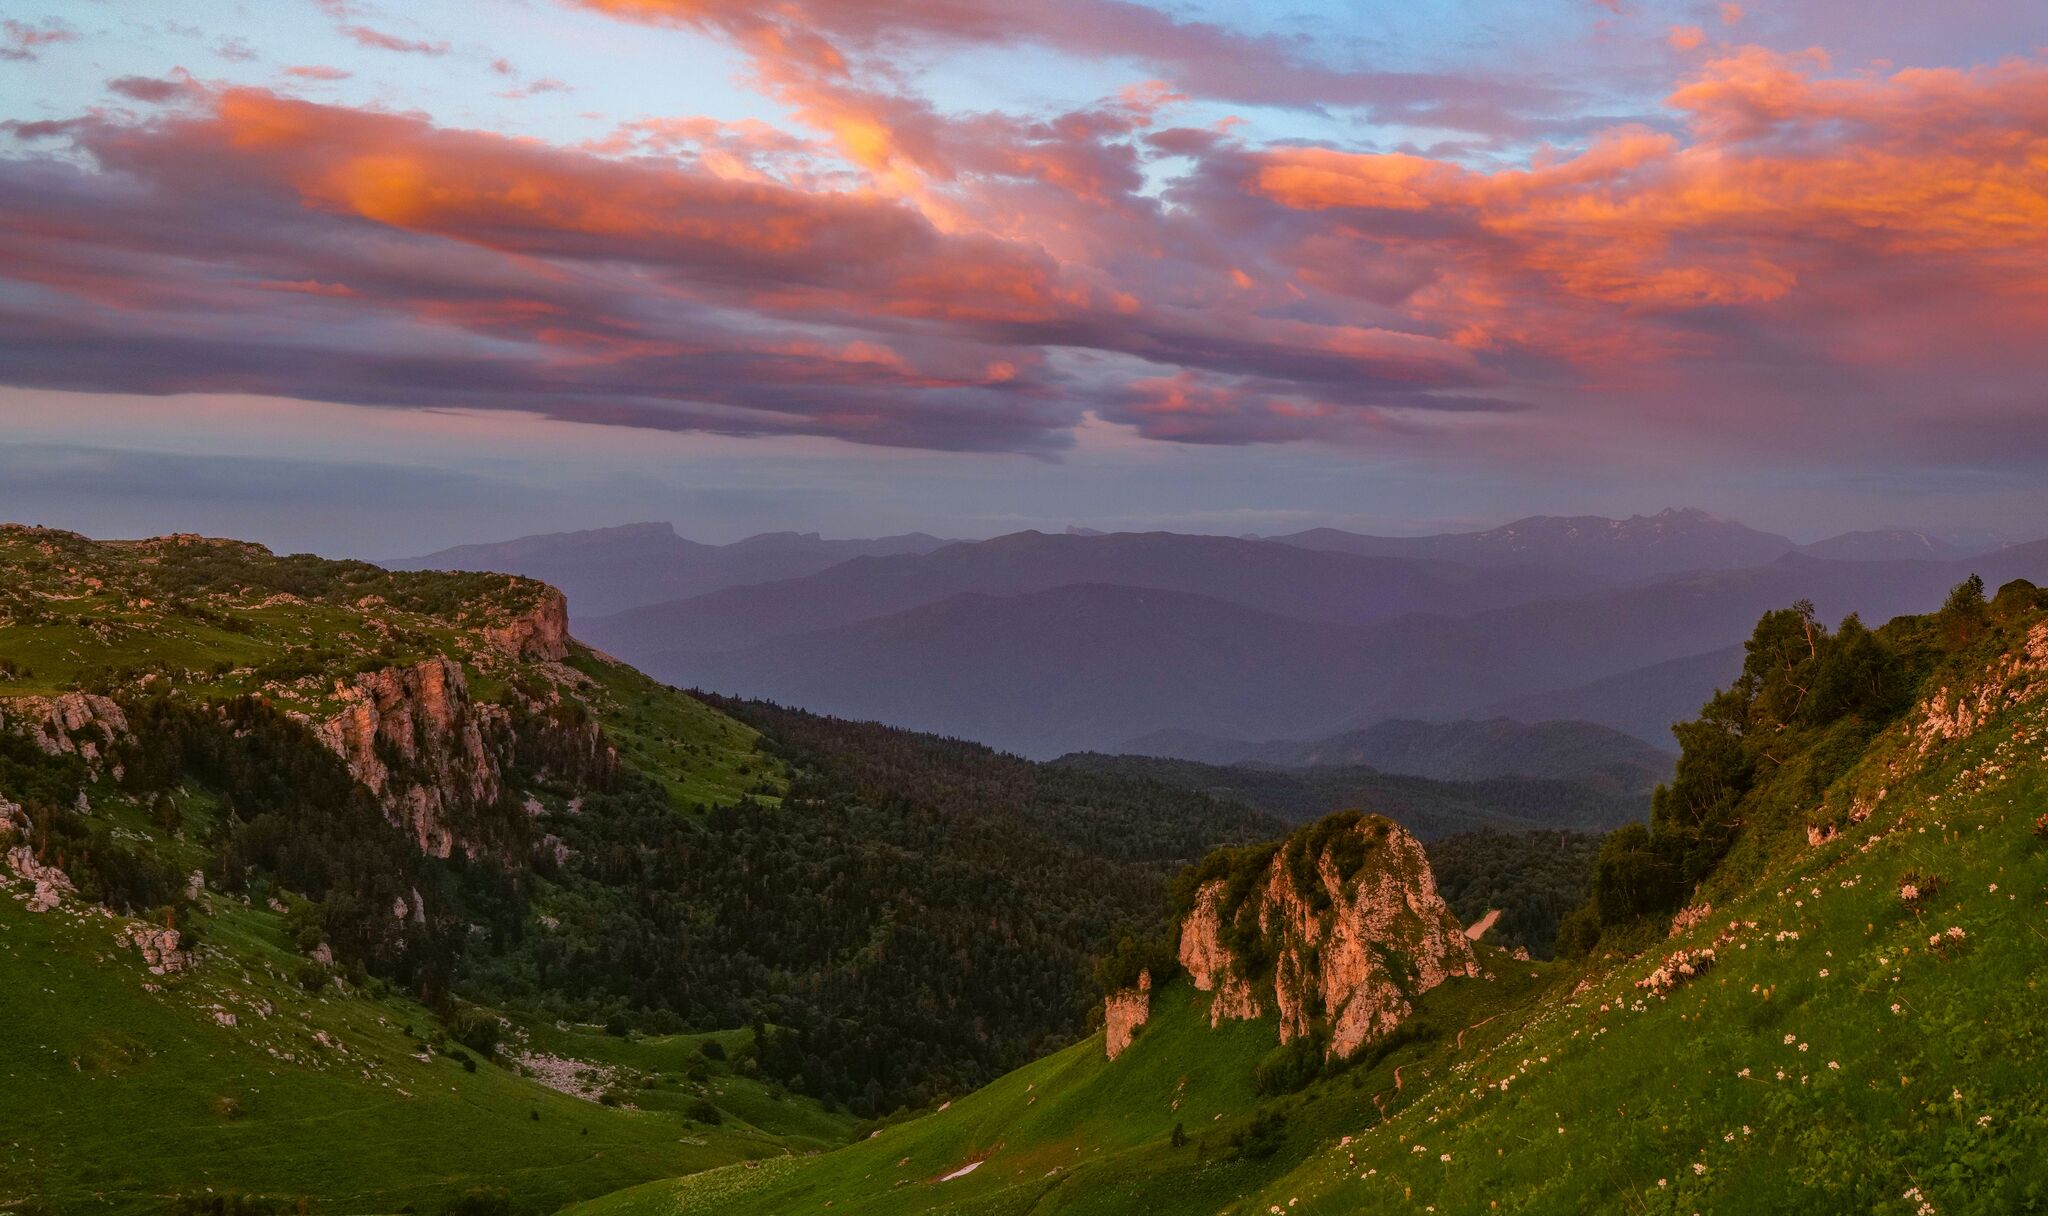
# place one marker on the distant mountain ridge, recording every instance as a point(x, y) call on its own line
point(1669, 542)
point(1883, 545)
point(1464, 750)
point(1429, 807)
point(1086, 667)
point(606, 570)
point(1288, 581)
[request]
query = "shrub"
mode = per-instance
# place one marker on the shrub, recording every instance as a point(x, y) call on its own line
point(482, 1201)
point(1290, 1066)
point(704, 1112)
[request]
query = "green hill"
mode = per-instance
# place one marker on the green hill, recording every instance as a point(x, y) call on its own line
point(1842, 1016)
point(334, 888)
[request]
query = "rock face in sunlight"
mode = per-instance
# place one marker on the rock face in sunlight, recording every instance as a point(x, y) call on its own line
point(437, 758)
point(1340, 928)
point(542, 633)
point(1125, 1011)
point(414, 737)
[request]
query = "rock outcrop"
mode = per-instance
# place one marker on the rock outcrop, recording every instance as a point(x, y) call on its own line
point(439, 760)
point(1125, 1011)
point(1341, 927)
point(414, 737)
point(2021, 675)
point(70, 724)
point(541, 634)
point(159, 947)
point(48, 885)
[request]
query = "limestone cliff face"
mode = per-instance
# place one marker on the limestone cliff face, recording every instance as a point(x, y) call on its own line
point(413, 736)
point(1339, 929)
point(541, 634)
point(439, 760)
point(1125, 1011)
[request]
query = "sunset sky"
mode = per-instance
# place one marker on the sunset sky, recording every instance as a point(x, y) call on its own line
point(375, 277)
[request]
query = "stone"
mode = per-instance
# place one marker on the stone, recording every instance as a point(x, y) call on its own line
point(1125, 1011)
point(1355, 931)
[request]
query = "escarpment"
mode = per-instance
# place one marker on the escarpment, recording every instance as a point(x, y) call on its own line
point(440, 761)
point(540, 633)
point(1336, 931)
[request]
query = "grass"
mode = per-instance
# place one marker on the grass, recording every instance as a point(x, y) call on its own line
point(1830, 1061)
point(119, 1098)
point(701, 756)
point(1073, 1132)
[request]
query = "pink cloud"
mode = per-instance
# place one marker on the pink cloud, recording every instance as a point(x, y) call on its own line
point(363, 35)
point(21, 41)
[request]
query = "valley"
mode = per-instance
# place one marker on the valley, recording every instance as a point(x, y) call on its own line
point(333, 851)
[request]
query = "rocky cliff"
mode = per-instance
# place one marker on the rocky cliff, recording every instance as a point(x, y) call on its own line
point(439, 760)
point(1335, 931)
point(541, 633)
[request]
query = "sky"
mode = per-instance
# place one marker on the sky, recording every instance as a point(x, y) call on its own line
point(370, 278)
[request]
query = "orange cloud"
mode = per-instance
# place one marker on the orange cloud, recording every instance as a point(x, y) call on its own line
point(1789, 183)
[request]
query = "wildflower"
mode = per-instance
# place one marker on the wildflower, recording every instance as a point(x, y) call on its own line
point(1803, 1046)
point(1983, 1120)
point(1663, 1182)
point(1698, 1168)
point(1444, 1157)
point(1791, 1039)
point(1895, 1007)
point(1744, 1074)
point(1994, 888)
point(1833, 1066)
point(1823, 973)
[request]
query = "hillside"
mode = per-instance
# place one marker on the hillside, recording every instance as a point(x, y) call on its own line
point(1466, 750)
point(316, 836)
point(1834, 1017)
point(605, 570)
point(1644, 703)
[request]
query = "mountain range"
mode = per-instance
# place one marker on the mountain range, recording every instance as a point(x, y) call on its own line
point(613, 569)
point(1087, 666)
point(1467, 750)
point(1049, 643)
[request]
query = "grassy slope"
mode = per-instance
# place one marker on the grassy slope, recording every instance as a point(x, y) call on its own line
point(701, 755)
point(1074, 1132)
point(108, 1090)
point(1782, 1080)
point(118, 1097)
